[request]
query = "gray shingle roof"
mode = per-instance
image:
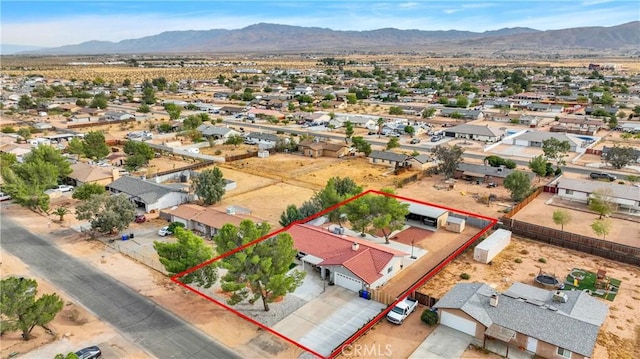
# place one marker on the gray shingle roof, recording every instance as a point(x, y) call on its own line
point(208, 130)
point(468, 129)
point(539, 136)
point(148, 192)
point(488, 170)
point(573, 325)
point(263, 136)
point(389, 156)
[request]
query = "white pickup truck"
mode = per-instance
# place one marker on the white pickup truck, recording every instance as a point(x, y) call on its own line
point(402, 310)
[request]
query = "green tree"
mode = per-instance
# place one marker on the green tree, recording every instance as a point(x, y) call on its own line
point(234, 140)
point(395, 110)
point(380, 212)
point(164, 127)
point(84, 191)
point(556, 150)
point(561, 217)
point(24, 132)
point(380, 123)
point(105, 213)
point(40, 170)
point(75, 146)
point(290, 215)
point(187, 252)
point(209, 186)
point(448, 159)
point(519, 184)
point(410, 130)
point(7, 159)
point(144, 108)
point(601, 227)
point(393, 143)
point(261, 270)
point(538, 165)
point(139, 153)
point(336, 191)
point(462, 101)
point(429, 112)
point(21, 310)
point(192, 122)
point(61, 212)
point(361, 145)
point(99, 101)
point(132, 163)
point(351, 98)
point(70, 355)
point(25, 102)
point(620, 157)
point(348, 129)
point(601, 202)
point(95, 145)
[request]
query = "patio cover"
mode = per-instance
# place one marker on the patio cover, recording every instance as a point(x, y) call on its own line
point(312, 259)
point(472, 174)
point(501, 333)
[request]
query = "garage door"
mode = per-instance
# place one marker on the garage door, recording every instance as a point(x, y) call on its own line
point(458, 323)
point(347, 282)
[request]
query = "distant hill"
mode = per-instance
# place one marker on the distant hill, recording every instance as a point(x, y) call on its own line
point(10, 49)
point(284, 38)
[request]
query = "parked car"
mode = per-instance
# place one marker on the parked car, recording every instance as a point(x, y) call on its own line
point(435, 138)
point(194, 150)
point(402, 310)
point(65, 188)
point(602, 175)
point(491, 185)
point(4, 196)
point(89, 353)
point(140, 218)
point(415, 141)
point(164, 231)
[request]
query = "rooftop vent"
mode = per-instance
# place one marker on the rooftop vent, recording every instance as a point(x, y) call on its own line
point(494, 300)
point(355, 246)
point(560, 297)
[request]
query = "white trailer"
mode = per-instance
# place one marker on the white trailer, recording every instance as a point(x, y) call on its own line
point(490, 247)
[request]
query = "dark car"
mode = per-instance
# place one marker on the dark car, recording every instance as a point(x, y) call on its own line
point(415, 141)
point(89, 353)
point(602, 175)
point(140, 218)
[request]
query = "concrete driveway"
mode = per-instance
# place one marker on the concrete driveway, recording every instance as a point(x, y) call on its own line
point(325, 322)
point(443, 343)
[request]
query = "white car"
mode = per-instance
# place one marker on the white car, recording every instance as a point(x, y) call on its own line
point(4, 196)
point(193, 150)
point(65, 188)
point(164, 231)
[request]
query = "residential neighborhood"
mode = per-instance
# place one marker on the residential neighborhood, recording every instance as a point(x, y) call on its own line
point(263, 156)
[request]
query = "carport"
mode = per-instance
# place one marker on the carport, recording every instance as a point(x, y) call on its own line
point(428, 216)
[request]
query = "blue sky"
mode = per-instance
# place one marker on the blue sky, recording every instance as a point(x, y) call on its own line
point(56, 23)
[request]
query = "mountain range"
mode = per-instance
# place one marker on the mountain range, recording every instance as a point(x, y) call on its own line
point(262, 37)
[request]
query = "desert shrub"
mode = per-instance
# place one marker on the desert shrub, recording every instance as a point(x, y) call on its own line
point(218, 152)
point(465, 276)
point(429, 317)
point(173, 225)
point(542, 260)
point(518, 260)
point(524, 252)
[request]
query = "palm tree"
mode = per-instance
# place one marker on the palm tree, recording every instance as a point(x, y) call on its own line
point(380, 123)
point(61, 211)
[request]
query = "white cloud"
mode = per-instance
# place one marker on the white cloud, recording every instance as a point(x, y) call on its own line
point(451, 11)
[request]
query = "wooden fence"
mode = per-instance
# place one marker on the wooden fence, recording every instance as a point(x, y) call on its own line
point(610, 250)
point(425, 299)
point(379, 295)
point(194, 166)
point(524, 203)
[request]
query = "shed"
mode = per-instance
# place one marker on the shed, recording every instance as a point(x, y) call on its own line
point(455, 224)
point(263, 154)
point(490, 247)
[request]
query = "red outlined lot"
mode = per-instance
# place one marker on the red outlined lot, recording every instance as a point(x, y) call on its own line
point(356, 335)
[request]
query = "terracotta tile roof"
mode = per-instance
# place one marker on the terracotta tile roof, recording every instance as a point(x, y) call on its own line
point(87, 173)
point(366, 262)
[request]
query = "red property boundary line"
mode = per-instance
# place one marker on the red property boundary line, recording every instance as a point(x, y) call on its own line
point(337, 351)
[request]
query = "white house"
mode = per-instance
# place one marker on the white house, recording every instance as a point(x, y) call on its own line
point(149, 195)
point(627, 197)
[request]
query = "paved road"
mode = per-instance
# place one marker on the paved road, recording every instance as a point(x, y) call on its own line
point(140, 320)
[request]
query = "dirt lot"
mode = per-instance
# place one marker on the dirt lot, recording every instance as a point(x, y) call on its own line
point(622, 231)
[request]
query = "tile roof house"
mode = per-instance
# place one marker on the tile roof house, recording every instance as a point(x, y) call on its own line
point(475, 132)
point(149, 195)
point(624, 196)
point(549, 324)
point(350, 262)
point(312, 148)
point(82, 173)
point(207, 220)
